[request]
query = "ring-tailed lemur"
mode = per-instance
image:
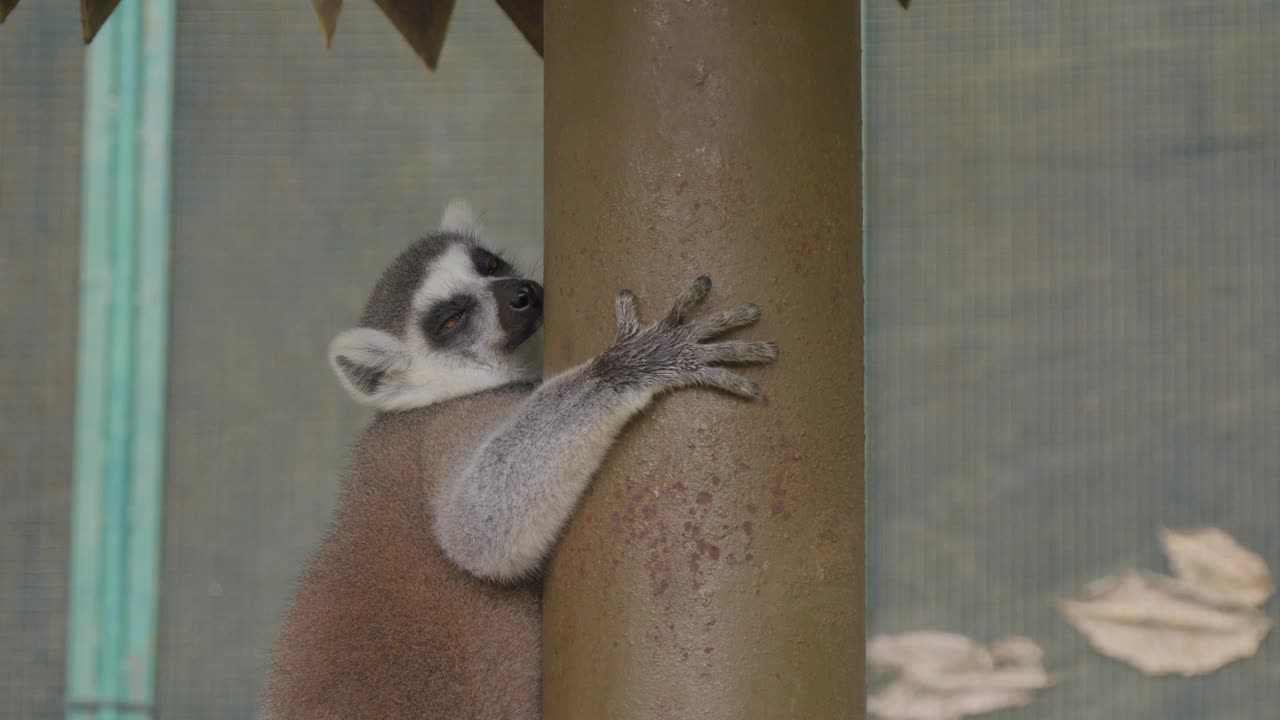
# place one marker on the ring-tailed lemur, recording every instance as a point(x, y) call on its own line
point(422, 601)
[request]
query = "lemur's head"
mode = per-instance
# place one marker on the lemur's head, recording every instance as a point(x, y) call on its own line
point(443, 321)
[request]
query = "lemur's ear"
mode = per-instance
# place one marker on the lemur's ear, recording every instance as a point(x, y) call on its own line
point(367, 362)
point(460, 218)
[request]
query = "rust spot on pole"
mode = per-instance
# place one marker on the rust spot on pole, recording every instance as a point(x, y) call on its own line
point(724, 576)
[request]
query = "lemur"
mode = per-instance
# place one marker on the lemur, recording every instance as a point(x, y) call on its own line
point(423, 600)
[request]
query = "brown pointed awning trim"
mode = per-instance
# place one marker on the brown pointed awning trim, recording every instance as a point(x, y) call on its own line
point(6, 7)
point(327, 13)
point(527, 16)
point(93, 13)
point(423, 23)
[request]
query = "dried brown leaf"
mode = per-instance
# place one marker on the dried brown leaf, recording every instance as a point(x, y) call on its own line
point(1212, 559)
point(926, 647)
point(1165, 626)
point(945, 676)
point(902, 701)
point(1018, 650)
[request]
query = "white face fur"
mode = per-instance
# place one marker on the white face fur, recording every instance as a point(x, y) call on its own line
point(444, 322)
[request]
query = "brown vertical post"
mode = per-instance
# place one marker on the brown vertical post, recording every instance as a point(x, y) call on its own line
point(715, 568)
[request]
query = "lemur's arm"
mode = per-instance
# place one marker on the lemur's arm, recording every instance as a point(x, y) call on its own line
point(501, 514)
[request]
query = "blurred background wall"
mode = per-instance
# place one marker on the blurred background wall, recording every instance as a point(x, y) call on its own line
point(1073, 278)
point(41, 93)
point(1073, 284)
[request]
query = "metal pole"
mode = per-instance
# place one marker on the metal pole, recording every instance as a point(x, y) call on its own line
point(715, 569)
point(88, 529)
point(151, 302)
point(120, 388)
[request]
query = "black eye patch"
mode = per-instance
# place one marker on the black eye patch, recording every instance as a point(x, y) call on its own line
point(446, 321)
point(488, 263)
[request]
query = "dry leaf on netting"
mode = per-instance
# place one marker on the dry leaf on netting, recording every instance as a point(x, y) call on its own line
point(1212, 559)
point(945, 676)
point(1164, 626)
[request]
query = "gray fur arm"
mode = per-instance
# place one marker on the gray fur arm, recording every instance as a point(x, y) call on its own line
point(500, 516)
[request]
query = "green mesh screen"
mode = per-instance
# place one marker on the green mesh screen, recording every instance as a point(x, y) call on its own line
point(1073, 283)
point(40, 112)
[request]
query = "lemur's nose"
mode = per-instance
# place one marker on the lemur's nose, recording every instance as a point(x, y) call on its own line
point(528, 295)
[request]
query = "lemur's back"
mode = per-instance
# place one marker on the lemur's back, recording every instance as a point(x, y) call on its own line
point(383, 626)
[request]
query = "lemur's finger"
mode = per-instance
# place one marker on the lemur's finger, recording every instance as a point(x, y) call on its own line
point(738, 352)
point(625, 308)
point(730, 382)
point(724, 321)
point(692, 295)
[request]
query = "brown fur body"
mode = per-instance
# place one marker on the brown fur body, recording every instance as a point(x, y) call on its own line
point(383, 626)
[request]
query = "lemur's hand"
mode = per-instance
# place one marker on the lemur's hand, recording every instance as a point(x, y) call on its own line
point(672, 353)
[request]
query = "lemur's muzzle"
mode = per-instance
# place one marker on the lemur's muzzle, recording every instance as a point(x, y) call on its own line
point(527, 297)
point(519, 309)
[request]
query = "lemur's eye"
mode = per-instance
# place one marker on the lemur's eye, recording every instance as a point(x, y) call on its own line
point(451, 322)
point(493, 263)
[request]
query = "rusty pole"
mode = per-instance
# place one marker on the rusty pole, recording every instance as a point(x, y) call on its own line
point(715, 568)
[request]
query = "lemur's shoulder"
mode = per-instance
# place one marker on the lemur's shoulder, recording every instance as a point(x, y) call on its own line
point(456, 414)
point(430, 439)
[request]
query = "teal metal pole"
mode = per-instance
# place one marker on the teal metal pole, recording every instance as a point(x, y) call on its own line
point(152, 302)
point(119, 451)
point(120, 360)
point(84, 618)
